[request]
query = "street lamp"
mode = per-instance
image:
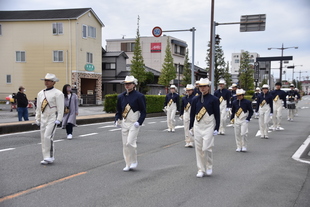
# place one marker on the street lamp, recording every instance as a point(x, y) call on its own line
point(281, 48)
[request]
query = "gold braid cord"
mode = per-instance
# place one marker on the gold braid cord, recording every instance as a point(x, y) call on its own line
point(44, 105)
point(276, 98)
point(201, 113)
point(126, 111)
point(263, 103)
point(187, 106)
point(221, 99)
point(238, 113)
point(170, 102)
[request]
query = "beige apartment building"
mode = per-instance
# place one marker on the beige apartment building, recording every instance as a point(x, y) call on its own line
point(66, 42)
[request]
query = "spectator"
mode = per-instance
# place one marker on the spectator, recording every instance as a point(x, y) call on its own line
point(22, 104)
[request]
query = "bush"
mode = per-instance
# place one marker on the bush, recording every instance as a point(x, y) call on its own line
point(250, 92)
point(109, 104)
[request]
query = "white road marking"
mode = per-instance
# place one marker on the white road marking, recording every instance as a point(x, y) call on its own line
point(18, 133)
point(163, 121)
point(300, 151)
point(152, 123)
point(85, 135)
point(176, 127)
point(108, 126)
point(304, 107)
point(258, 133)
point(58, 140)
point(118, 129)
point(8, 149)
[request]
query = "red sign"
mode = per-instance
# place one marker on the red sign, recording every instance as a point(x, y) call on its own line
point(157, 31)
point(156, 47)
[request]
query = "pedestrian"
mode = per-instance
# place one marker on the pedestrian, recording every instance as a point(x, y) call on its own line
point(131, 112)
point(204, 124)
point(278, 97)
point(185, 114)
point(49, 113)
point(13, 101)
point(71, 110)
point(224, 96)
point(291, 103)
point(297, 99)
point(22, 104)
point(242, 112)
point(265, 109)
point(172, 106)
point(254, 100)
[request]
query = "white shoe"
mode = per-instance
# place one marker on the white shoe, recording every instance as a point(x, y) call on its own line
point(48, 160)
point(69, 136)
point(169, 130)
point(266, 137)
point(262, 137)
point(243, 149)
point(187, 144)
point(173, 130)
point(209, 172)
point(126, 169)
point(238, 150)
point(288, 119)
point(200, 174)
point(191, 144)
point(133, 165)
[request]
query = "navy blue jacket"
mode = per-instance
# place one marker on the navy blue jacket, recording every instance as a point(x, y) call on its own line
point(175, 98)
point(196, 92)
point(185, 101)
point(254, 97)
point(233, 96)
point(226, 95)
point(293, 93)
point(281, 94)
point(137, 102)
point(211, 103)
point(267, 97)
point(246, 106)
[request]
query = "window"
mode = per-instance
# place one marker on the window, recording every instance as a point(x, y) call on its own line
point(251, 60)
point(236, 60)
point(179, 50)
point(58, 56)
point(8, 79)
point(89, 57)
point(128, 46)
point(91, 32)
point(20, 56)
point(0, 29)
point(57, 28)
point(109, 66)
point(84, 31)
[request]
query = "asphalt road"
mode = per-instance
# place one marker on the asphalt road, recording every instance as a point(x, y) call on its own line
point(88, 169)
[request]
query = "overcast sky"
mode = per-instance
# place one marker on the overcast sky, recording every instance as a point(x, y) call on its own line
point(287, 22)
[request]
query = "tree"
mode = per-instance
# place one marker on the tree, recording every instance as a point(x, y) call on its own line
point(187, 76)
point(149, 79)
point(246, 72)
point(168, 70)
point(264, 81)
point(227, 75)
point(137, 62)
point(219, 64)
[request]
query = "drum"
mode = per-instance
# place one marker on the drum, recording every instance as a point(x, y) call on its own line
point(254, 104)
point(291, 106)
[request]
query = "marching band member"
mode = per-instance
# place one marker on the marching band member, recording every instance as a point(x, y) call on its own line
point(241, 114)
point(233, 92)
point(196, 90)
point(265, 109)
point(254, 100)
point(296, 102)
point(172, 106)
point(291, 104)
point(131, 109)
point(278, 96)
point(224, 97)
point(49, 113)
point(204, 124)
point(185, 113)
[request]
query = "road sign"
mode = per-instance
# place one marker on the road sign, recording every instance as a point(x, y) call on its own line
point(253, 23)
point(157, 31)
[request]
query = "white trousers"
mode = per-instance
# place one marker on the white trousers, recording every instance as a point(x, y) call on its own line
point(47, 132)
point(277, 113)
point(291, 112)
point(264, 118)
point(171, 110)
point(296, 108)
point(241, 130)
point(204, 141)
point(129, 137)
point(223, 115)
point(186, 120)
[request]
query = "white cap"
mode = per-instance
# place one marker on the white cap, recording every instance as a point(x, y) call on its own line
point(240, 92)
point(197, 82)
point(257, 89)
point(204, 82)
point(173, 86)
point(229, 88)
point(265, 86)
point(234, 85)
point(130, 79)
point(50, 76)
point(222, 81)
point(189, 87)
point(292, 85)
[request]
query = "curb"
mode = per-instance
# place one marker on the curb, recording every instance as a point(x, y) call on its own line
point(7, 128)
point(302, 151)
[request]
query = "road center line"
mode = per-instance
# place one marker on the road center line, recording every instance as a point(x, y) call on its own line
point(40, 187)
point(86, 135)
point(8, 149)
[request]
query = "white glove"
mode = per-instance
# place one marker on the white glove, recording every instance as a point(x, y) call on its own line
point(57, 122)
point(271, 114)
point(227, 109)
point(181, 117)
point(247, 121)
point(191, 131)
point(136, 124)
point(215, 132)
point(37, 123)
point(117, 124)
point(256, 114)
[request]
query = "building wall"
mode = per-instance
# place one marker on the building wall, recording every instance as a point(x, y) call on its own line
point(235, 61)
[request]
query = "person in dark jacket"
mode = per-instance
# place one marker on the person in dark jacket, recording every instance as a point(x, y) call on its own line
point(241, 115)
point(293, 96)
point(278, 97)
point(171, 106)
point(22, 104)
point(204, 124)
point(265, 109)
point(131, 109)
point(254, 100)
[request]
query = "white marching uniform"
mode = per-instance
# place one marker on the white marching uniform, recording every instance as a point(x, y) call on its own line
point(241, 130)
point(171, 110)
point(186, 120)
point(264, 118)
point(53, 111)
point(223, 113)
point(277, 113)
